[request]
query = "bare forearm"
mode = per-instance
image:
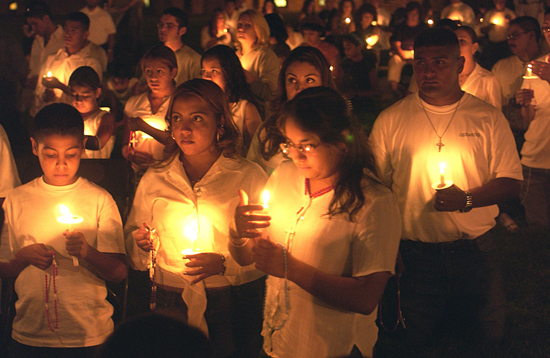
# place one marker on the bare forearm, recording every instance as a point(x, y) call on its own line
point(111, 267)
point(11, 269)
point(496, 191)
point(355, 294)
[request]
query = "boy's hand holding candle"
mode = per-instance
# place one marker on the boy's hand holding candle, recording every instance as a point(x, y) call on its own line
point(450, 199)
point(76, 244)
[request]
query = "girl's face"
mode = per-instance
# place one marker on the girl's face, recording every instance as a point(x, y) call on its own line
point(212, 71)
point(220, 21)
point(246, 34)
point(84, 98)
point(366, 20)
point(194, 126)
point(347, 8)
point(299, 76)
point(269, 8)
point(159, 76)
point(319, 164)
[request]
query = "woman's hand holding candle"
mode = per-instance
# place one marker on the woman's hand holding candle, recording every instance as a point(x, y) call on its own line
point(247, 223)
point(37, 255)
point(205, 264)
point(541, 69)
point(76, 244)
point(450, 199)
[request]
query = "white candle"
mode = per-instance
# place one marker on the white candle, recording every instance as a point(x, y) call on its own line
point(529, 70)
point(192, 233)
point(265, 199)
point(442, 172)
point(69, 219)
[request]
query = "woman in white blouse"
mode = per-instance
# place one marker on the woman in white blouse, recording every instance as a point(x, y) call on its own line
point(259, 61)
point(330, 235)
point(180, 221)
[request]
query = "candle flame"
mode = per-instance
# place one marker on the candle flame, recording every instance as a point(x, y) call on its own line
point(49, 74)
point(496, 21)
point(430, 22)
point(64, 210)
point(265, 199)
point(347, 20)
point(374, 23)
point(442, 166)
point(191, 232)
point(331, 68)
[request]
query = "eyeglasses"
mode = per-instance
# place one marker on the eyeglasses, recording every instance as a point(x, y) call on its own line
point(515, 35)
point(305, 148)
point(161, 25)
point(545, 29)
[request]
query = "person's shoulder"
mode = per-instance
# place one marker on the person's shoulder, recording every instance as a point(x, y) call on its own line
point(482, 72)
point(25, 191)
point(478, 106)
point(186, 50)
point(505, 62)
point(242, 165)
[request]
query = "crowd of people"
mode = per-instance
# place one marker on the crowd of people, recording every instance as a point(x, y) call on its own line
point(269, 216)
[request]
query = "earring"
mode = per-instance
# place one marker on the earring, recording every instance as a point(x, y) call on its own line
point(220, 133)
point(172, 135)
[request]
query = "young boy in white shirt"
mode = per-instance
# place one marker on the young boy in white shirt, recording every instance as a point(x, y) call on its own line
point(61, 308)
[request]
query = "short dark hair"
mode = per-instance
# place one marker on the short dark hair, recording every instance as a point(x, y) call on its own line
point(527, 24)
point(38, 9)
point(81, 17)
point(85, 76)
point(414, 5)
point(181, 16)
point(471, 32)
point(162, 53)
point(436, 36)
point(57, 118)
point(353, 39)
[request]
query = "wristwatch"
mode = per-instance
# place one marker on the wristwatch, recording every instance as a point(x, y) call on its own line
point(468, 207)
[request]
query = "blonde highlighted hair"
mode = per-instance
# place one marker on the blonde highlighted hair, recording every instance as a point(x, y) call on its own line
point(260, 26)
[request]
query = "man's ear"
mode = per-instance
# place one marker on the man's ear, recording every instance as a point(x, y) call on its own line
point(182, 30)
point(475, 47)
point(460, 64)
point(34, 144)
point(98, 93)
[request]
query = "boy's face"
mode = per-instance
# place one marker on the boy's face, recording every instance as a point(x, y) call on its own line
point(75, 36)
point(120, 84)
point(38, 25)
point(169, 30)
point(351, 50)
point(84, 98)
point(59, 157)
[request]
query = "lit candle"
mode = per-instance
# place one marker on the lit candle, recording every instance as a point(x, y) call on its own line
point(481, 20)
point(371, 40)
point(529, 70)
point(48, 76)
point(265, 199)
point(347, 20)
point(430, 22)
point(192, 233)
point(331, 68)
point(374, 23)
point(442, 172)
point(497, 21)
point(225, 30)
point(69, 219)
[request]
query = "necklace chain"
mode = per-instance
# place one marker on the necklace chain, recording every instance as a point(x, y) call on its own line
point(440, 144)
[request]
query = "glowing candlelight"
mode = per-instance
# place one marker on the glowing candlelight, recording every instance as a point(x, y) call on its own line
point(331, 68)
point(265, 199)
point(347, 20)
point(442, 184)
point(481, 20)
point(68, 218)
point(374, 23)
point(49, 74)
point(371, 41)
point(430, 22)
point(529, 70)
point(192, 233)
point(497, 21)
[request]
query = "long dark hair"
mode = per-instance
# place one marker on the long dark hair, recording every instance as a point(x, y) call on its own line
point(324, 112)
point(236, 87)
point(269, 143)
point(213, 98)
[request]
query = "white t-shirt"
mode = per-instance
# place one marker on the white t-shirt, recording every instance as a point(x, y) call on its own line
point(263, 63)
point(536, 149)
point(189, 64)
point(9, 178)
point(140, 106)
point(335, 246)
point(180, 214)
point(479, 147)
point(461, 12)
point(101, 24)
point(509, 72)
point(499, 32)
point(62, 65)
point(84, 313)
point(480, 83)
point(39, 52)
point(91, 125)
